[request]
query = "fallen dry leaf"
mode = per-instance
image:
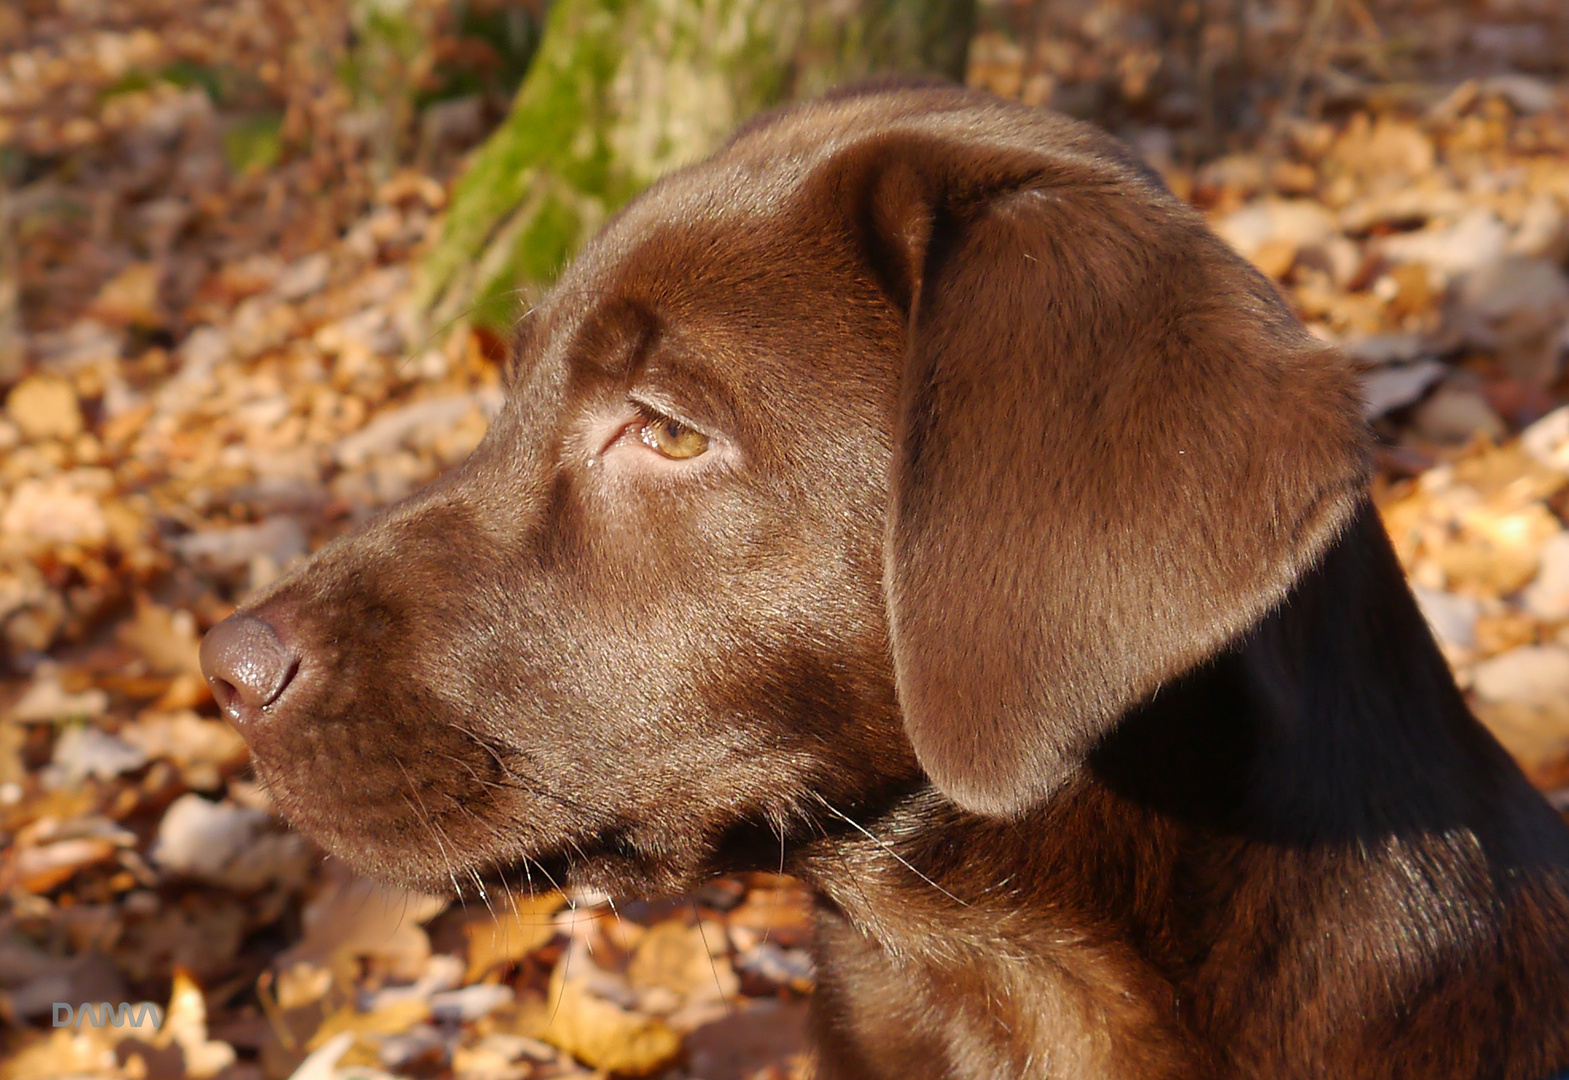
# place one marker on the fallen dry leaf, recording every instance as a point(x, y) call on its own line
point(353, 918)
point(521, 924)
point(41, 869)
point(1537, 734)
point(67, 1053)
point(131, 298)
point(389, 1019)
point(692, 961)
point(44, 407)
point(165, 638)
point(600, 1032)
point(185, 1026)
point(204, 749)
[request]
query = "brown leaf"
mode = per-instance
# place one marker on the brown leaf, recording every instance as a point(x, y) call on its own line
point(185, 1026)
point(389, 1019)
point(601, 1033)
point(1536, 734)
point(353, 917)
point(131, 298)
point(523, 924)
point(186, 739)
point(1275, 257)
point(749, 1040)
point(782, 915)
point(164, 637)
point(692, 961)
point(71, 1053)
point(40, 869)
point(44, 407)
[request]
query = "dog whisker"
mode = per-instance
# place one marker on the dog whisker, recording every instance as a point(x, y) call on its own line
point(713, 966)
point(434, 828)
point(887, 848)
point(479, 886)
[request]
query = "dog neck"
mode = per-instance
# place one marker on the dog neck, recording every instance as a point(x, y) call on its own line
point(1247, 829)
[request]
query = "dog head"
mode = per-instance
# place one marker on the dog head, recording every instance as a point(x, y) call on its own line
point(913, 435)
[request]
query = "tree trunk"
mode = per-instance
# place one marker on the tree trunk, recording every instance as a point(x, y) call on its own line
point(623, 91)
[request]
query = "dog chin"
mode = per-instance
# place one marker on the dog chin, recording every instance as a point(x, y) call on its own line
point(589, 871)
point(579, 863)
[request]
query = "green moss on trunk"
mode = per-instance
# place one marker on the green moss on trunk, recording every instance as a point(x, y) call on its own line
point(622, 91)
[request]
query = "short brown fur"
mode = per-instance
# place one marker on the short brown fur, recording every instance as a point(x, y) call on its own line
point(1030, 606)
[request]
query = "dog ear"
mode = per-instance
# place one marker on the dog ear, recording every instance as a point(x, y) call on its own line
point(1115, 449)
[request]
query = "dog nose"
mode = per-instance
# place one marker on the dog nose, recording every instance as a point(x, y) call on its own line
point(247, 665)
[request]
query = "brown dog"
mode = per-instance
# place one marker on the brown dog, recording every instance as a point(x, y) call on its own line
point(918, 486)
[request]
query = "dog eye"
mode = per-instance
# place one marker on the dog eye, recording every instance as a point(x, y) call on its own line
point(672, 438)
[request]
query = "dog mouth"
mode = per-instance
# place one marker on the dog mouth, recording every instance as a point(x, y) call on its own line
point(603, 864)
point(466, 845)
point(581, 866)
point(615, 860)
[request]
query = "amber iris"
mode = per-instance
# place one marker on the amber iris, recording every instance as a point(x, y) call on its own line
point(673, 438)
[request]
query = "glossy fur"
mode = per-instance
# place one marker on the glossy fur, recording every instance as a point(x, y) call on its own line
point(1029, 605)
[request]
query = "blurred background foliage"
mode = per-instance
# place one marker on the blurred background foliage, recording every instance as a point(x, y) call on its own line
point(625, 89)
point(577, 104)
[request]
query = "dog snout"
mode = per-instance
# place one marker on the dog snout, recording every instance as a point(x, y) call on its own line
point(248, 665)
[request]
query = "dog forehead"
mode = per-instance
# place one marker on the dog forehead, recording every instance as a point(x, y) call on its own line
point(738, 249)
point(760, 171)
point(667, 239)
point(764, 176)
